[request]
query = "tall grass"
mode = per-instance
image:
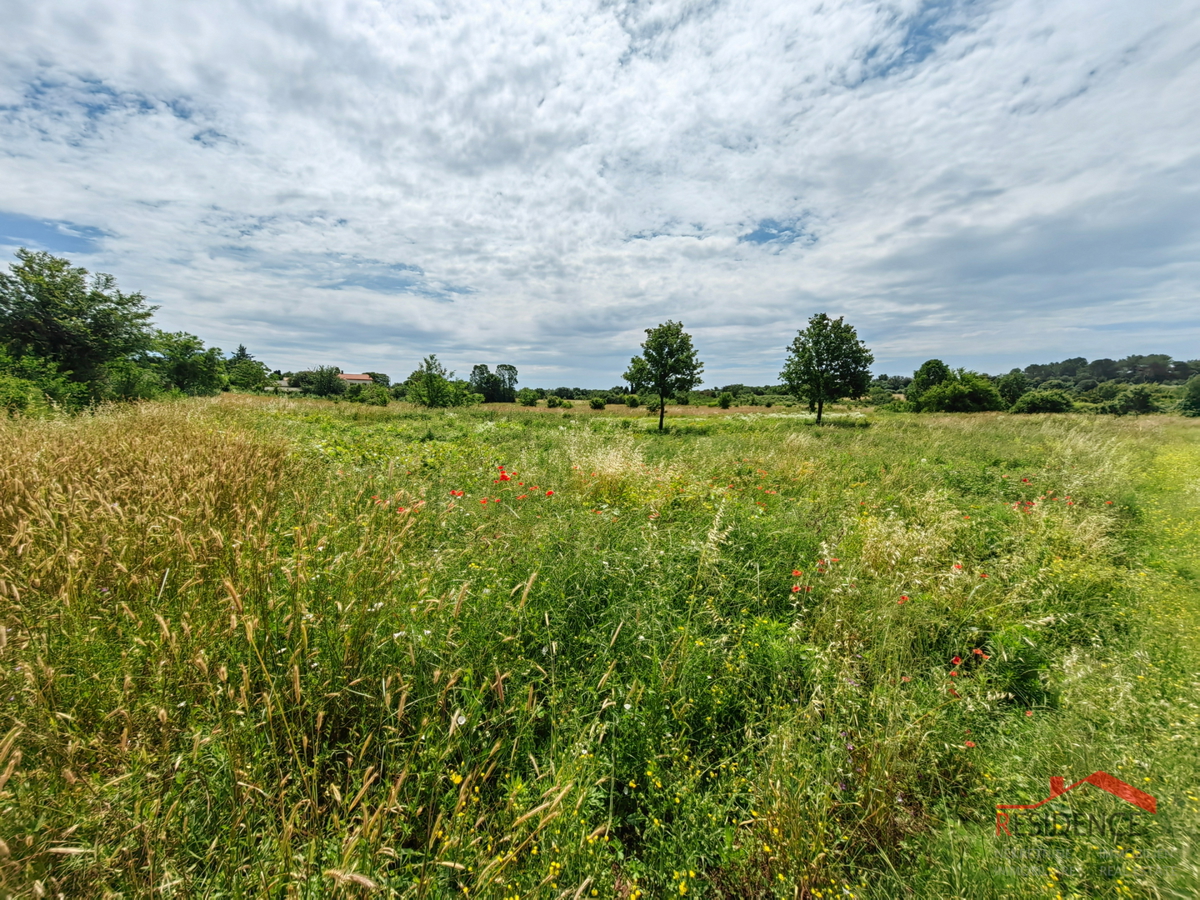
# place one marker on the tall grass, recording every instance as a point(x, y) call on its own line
point(261, 648)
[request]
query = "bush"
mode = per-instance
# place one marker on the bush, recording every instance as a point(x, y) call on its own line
point(962, 391)
point(683, 399)
point(1138, 401)
point(725, 400)
point(567, 404)
point(1190, 404)
point(554, 401)
point(1043, 402)
point(879, 395)
point(1013, 386)
point(632, 401)
point(375, 395)
point(17, 395)
point(527, 397)
point(596, 403)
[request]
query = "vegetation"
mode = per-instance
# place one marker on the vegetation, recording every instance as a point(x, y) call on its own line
point(265, 647)
point(826, 362)
point(667, 366)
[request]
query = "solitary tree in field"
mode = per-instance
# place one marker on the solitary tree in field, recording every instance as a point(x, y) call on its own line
point(667, 366)
point(827, 361)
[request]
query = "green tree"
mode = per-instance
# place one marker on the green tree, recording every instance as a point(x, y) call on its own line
point(247, 374)
point(527, 397)
point(324, 381)
point(241, 354)
point(1190, 404)
point(667, 366)
point(1138, 400)
point(827, 361)
point(183, 363)
point(432, 386)
point(932, 372)
point(1013, 385)
point(54, 311)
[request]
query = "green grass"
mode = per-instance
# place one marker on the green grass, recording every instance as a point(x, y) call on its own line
point(258, 648)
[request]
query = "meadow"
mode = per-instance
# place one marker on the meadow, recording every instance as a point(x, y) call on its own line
point(258, 647)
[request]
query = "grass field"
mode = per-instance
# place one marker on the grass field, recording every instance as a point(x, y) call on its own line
point(253, 647)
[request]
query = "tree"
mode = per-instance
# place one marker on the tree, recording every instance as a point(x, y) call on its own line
point(827, 361)
point(380, 379)
point(1138, 400)
point(52, 310)
point(184, 364)
point(246, 374)
point(932, 372)
point(241, 354)
point(1013, 385)
point(432, 386)
point(495, 387)
point(667, 366)
point(1190, 404)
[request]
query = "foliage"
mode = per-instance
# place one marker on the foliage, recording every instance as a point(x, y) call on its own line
point(495, 387)
point(54, 311)
point(878, 395)
point(725, 400)
point(597, 402)
point(183, 364)
point(827, 361)
point(126, 381)
point(1042, 402)
point(668, 365)
point(527, 397)
point(932, 373)
point(1137, 400)
point(1189, 405)
point(247, 374)
point(960, 391)
point(17, 395)
point(553, 401)
point(1013, 386)
point(432, 386)
point(632, 400)
point(52, 385)
point(375, 395)
point(380, 379)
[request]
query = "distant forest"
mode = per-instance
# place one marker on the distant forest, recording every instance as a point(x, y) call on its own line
point(69, 339)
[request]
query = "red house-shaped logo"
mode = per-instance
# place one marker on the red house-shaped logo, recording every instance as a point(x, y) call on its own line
point(1102, 780)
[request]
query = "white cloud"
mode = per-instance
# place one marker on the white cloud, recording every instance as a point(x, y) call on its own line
point(366, 182)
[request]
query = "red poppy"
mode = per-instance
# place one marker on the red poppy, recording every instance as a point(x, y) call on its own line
point(977, 652)
point(906, 678)
point(953, 674)
point(958, 565)
point(956, 661)
point(1029, 712)
point(970, 743)
point(549, 493)
point(983, 575)
point(796, 573)
point(400, 509)
point(903, 598)
point(484, 501)
point(795, 588)
point(523, 496)
point(1108, 503)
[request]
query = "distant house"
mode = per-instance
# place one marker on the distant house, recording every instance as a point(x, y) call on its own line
point(357, 379)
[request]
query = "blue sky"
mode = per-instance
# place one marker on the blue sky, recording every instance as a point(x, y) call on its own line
point(361, 183)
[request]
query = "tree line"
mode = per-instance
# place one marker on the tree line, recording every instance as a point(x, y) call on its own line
point(69, 339)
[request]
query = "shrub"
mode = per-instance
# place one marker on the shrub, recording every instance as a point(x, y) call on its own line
point(375, 395)
point(567, 404)
point(1043, 402)
point(1138, 400)
point(632, 401)
point(962, 391)
point(1013, 385)
point(683, 399)
point(1190, 404)
point(725, 400)
point(527, 397)
point(554, 401)
point(596, 402)
point(16, 395)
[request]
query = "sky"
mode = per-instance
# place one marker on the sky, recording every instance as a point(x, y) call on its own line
point(363, 182)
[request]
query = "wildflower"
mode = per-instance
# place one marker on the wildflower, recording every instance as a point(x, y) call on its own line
point(795, 588)
point(953, 674)
point(1108, 503)
point(983, 575)
point(796, 573)
point(970, 743)
point(956, 661)
point(903, 598)
point(1028, 713)
point(483, 502)
point(958, 566)
point(977, 652)
point(549, 493)
point(906, 678)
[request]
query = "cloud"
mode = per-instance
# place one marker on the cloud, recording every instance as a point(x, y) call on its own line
point(366, 182)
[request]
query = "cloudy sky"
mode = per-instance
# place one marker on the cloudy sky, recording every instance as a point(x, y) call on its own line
point(362, 182)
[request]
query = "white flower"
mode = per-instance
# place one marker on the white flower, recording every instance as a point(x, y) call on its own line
point(461, 720)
